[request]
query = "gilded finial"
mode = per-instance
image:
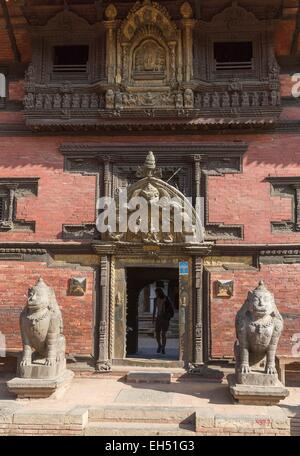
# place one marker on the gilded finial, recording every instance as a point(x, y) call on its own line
point(111, 12)
point(186, 10)
point(149, 169)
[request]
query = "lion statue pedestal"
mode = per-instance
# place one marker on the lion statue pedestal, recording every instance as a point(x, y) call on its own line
point(258, 328)
point(42, 368)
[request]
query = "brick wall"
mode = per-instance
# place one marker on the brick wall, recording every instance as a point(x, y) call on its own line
point(15, 279)
point(62, 197)
point(66, 198)
point(281, 280)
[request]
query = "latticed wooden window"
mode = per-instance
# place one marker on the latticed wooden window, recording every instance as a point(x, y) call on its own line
point(4, 204)
point(2, 209)
point(233, 56)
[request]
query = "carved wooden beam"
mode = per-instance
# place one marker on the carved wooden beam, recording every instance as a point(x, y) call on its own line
point(10, 32)
point(294, 48)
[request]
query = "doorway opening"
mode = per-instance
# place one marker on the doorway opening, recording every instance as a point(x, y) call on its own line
point(141, 334)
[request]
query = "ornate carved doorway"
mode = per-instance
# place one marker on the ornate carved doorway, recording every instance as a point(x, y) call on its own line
point(140, 328)
point(162, 230)
point(130, 276)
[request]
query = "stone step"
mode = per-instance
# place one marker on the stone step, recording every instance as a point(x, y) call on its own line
point(125, 413)
point(137, 429)
point(295, 427)
point(148, 377)
point(156, 363)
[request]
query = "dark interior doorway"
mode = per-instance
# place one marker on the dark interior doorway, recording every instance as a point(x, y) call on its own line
point(140, 338)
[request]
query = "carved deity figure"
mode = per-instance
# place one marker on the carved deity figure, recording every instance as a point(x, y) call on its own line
point(235, 100)
point(30, 73)
point(206, 100)
point(29, 101)
point(226, 100)
point(150, 57)
point(48, 101)
point(189, 98)
point(57, 101)
point(39, 101)
point(255, 99)
point(258, 327)
point(275, 98)
point(85, 101)
point(215, 100)
point(66, 101)
point(245, 99)
point(76, 100)
point(179, 100)
point(265, 99)
point(94, 101)
point(42, 327)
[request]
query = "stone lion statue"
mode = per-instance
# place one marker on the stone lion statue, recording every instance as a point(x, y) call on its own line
point(42, 327)
point(258, 328)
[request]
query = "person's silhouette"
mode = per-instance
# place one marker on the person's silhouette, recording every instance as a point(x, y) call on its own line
point(162, 313)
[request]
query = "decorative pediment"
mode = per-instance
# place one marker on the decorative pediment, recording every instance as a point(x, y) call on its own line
point(149, 55)
point(67, 21)
point(148, 13)
point(155, 212)
point(236, 18)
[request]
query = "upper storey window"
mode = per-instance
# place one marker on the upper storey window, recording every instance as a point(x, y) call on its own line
point(232, 56)
point(67, 48)
point(234, 44)
point(70, 59)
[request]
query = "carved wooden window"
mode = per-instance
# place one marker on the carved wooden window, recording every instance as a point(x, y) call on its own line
point(234, 44)
point(2, 209)
point(233, 56)
point(10, 191)
point(287, 187)
point(68, 60)
point(238, 58)
point(67, 48)
point(6, 208)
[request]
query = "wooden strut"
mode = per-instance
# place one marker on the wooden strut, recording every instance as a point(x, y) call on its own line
point(294, 47)
point(10, 31)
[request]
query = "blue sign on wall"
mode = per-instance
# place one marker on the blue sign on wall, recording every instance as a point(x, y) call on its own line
point(183, 268)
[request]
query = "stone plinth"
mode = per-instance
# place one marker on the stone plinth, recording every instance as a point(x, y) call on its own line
point(39, 370)
point(257, 389)
point(37, 388)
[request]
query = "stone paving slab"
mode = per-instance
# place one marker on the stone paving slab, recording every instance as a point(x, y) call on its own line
point(97, 391)
point(144, 396)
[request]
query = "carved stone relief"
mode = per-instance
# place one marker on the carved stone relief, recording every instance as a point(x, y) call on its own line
point(155, 192)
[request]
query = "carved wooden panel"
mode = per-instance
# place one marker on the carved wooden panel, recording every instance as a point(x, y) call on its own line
point(11, 189)
point(287, 187)
point(177, 176)
point(151, 65)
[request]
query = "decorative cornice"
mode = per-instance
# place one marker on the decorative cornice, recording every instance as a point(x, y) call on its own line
point(128, 152)
point(17, 129)
point(26, 251)
point(284, 180)
point(131, 249)
point(154, 121)
point(84, 247)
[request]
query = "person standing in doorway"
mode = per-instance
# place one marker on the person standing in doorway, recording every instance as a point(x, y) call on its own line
point(162, 313)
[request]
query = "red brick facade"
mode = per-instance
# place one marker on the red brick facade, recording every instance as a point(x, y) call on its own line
point(78, 313)
point(66, 198)
point(282, 281)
